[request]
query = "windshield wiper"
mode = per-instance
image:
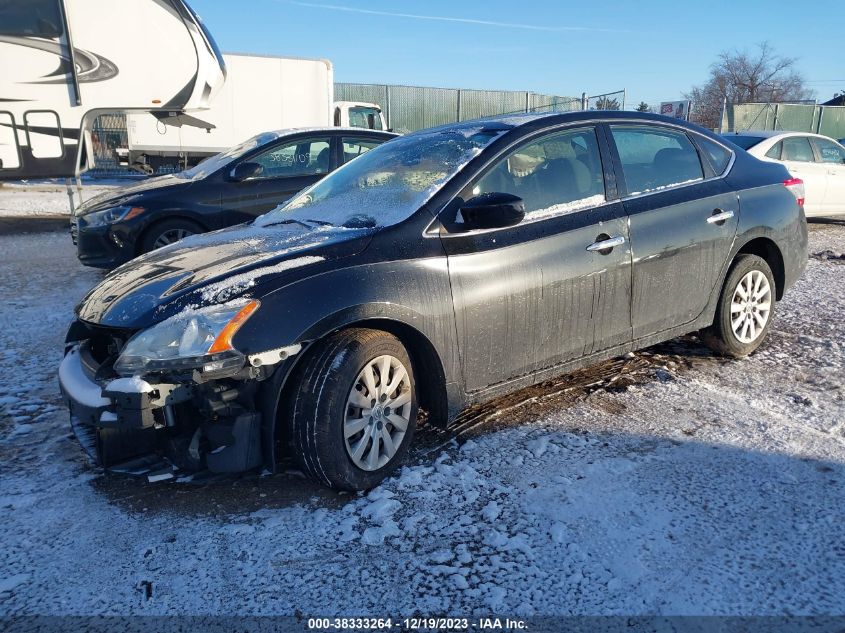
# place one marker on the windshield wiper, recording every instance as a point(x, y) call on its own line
point(289, 221)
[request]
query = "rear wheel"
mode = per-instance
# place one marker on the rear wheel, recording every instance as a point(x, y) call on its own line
point(746, 308)
point(168, 232)
point(354, 413)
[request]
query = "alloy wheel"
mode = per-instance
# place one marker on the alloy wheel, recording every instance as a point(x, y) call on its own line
point(378, 412)
point(171, 236)
point(751, 306)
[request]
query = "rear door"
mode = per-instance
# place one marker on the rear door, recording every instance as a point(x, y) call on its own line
point(832, 157)
point(683, 219)
point(798, 157)
point(534, 295)
point(288, 167)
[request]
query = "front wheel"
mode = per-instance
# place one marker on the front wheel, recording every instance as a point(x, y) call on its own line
point(354, 412)
point(746, 308)
point(168, 232)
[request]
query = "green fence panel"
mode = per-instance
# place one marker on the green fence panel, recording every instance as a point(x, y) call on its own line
point(832, 121)
point(795, 117)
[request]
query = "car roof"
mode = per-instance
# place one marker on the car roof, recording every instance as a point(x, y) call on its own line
point(773, 133)
point(760, 133)
point(325, 129)
point(516, 120)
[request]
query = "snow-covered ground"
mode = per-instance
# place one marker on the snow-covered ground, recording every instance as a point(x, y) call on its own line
point(666, 482)
point(49, 197)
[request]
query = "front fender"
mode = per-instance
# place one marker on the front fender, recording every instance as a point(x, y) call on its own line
point(415, 293)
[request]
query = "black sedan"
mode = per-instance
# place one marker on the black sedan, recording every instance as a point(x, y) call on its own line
point(227, 189)
point(441, 269)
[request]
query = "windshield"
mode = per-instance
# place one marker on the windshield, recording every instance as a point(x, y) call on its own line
point(744, 141)
point(213, 163)
point(387, 184)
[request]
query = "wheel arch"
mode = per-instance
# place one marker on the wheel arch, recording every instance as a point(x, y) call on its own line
point(768, 250)
point(431, 392)
point(162, 217)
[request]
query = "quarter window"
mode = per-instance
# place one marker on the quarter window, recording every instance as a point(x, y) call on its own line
point(557, 174)
point(798, 148)
point(718, 155)
point(354, 147)
point(304, 157)
point(655, 158)
point(830, 151)
point(775, 151)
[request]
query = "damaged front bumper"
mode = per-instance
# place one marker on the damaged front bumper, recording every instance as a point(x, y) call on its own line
point(149, 425)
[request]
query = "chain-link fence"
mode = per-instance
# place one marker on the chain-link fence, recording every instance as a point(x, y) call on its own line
point(409, 108)
point(789, 117)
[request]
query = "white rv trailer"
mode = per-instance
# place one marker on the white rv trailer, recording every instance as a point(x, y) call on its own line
point(261, 93)
point(62, 62)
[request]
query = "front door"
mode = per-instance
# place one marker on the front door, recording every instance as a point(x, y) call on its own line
point(542, 292)
point(287, 168)
point(682, 226)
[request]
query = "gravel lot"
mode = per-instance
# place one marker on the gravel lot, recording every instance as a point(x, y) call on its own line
point(665, 482)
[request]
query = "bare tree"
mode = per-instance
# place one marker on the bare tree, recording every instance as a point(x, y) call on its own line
point(741, 77)
point(606, 103)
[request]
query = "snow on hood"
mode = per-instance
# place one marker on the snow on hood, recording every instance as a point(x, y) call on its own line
point(212, 268)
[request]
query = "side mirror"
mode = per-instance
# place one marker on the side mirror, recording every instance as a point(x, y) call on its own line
point(491, 211)
point(242, 171)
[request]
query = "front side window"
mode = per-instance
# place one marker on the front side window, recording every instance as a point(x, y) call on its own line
point(830, 151)
point(560, 173)
point(303, 157)
point(354, 147)
point(798, 148)
point(655, 158)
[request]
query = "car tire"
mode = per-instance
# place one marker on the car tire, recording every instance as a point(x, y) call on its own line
point(745, 310)
point(167, 232)
point(333, 423)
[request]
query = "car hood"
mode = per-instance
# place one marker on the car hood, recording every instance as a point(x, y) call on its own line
point(215, 268)
point(131, 193)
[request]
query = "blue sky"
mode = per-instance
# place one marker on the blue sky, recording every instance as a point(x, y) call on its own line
point(656, 50)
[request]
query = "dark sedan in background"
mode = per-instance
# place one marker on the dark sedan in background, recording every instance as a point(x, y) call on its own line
point(439, 270)
point(223, 190)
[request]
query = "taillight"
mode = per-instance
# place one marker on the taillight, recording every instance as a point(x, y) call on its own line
point(796, 187)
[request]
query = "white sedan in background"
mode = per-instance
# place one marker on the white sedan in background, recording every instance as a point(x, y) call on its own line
point(817, 160)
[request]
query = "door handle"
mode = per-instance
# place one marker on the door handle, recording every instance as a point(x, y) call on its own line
point(604, 244)
point(720, 216)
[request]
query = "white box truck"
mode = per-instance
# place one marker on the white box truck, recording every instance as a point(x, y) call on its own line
point(261, 93)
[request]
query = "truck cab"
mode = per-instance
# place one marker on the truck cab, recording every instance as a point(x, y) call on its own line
point(358, 114)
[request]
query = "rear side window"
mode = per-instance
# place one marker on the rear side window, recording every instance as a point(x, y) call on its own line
point(655, 158)
point(354, 147)
point(719, 156)
point(830, 151)
point(556, 174)
point(775, 151)
point(798, 148)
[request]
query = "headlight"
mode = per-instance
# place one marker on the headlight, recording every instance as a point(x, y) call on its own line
point(110, 216)
point(189, 340)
